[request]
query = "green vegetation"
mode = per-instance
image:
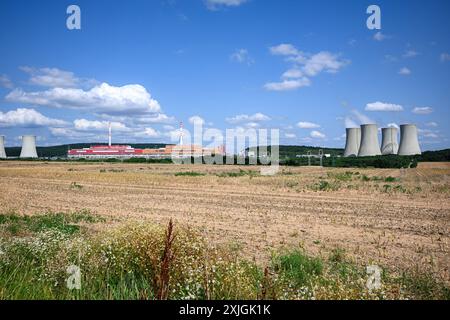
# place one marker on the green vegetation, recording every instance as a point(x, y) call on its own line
point(141, 260)
point(66, 223)
point(190, 174)
point(241, 173)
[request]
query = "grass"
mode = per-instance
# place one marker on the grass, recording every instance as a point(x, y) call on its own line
point(189, 174)
point(142, 260)
point(66, 223)
point(241, 173)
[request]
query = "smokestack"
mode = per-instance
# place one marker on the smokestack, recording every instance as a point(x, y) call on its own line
point(109, 134)
point(28, 147)
point(369, 141)
point(2, 147)
point(409, 142)
point(389, 144)
point(352, 142)
point(181, 134)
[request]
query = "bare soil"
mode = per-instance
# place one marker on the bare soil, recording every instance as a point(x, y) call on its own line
point(404, 226)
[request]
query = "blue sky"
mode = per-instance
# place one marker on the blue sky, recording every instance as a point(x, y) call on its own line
point(309, 68)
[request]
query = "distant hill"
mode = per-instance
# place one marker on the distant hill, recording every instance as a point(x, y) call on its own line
point(293, 151)
point(61, 150)
point(286, 152)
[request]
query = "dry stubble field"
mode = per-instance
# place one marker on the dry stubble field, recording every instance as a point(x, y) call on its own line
point(401, 224)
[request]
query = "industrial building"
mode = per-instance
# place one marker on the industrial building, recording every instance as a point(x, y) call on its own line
point(363, 142)
point(28, 147)
point(2, 147)
point(126, 151)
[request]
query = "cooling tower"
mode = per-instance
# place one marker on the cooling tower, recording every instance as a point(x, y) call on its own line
point(389, 143)
point(409, 143)
point(28, 147)
point(369, 141)
point(352, 142)
point(2, 147)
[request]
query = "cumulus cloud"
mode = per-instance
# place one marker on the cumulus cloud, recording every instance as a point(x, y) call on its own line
point(431, 124)
point(27, 118)
point(104, 98)
point(307, 125)
point(380, 36)
point(422, 110)
point(382, 106)
point(287, 85)
point(284, 49)
point(54, 77)
point(404, 71)
point(148, 132)
point(445, 57)
point(304, 67)
point(410, 54)
point(317, 135)
point(290, 135)
point(242, 56)
point(217, 4)
point(257, 117)
point(5, 81)
point(95, 125)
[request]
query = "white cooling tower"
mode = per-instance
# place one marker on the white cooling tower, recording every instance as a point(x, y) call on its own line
point(2, 147)
point(28, 147)
point(409, 142)
point(389, 143)
point(352, 142)
point(369, 141)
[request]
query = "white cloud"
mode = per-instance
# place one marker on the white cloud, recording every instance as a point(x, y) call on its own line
point(216, 4)
point(304, 67)
point(350, 123)
point(445, 57)
point(362, 118)
point(380, 36)
point(95, 125)
point(431, 124)
point(404, 71)
point(257, 117)
point(323, 61)
point(242, 56)
point(284, 49)
point(287, 85)
point(54, 77)
point(422, 110)
point(290, 135)
point(410, 54)
point(381, 106)
point(307, 125)
point(5, 81)
point(27, 117)
point(158, 118)
point(252, 125)
point(293, 73)
point(149, 132)
point(104, 98)
point(393, 125)
point(317, 135)
point(196, 120)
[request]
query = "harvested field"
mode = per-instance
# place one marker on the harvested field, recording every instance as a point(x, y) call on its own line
point(396, 218)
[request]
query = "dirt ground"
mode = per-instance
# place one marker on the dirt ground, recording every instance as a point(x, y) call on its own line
point(402, 226)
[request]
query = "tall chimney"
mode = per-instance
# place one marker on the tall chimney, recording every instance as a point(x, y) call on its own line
point(353, 142)
point(369, 141)
point(409, 142)
point(109, 134)
point(389, 144)
point(2, 147)
point(28, 147)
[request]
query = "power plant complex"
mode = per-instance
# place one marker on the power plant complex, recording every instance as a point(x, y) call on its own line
point(363, 142)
